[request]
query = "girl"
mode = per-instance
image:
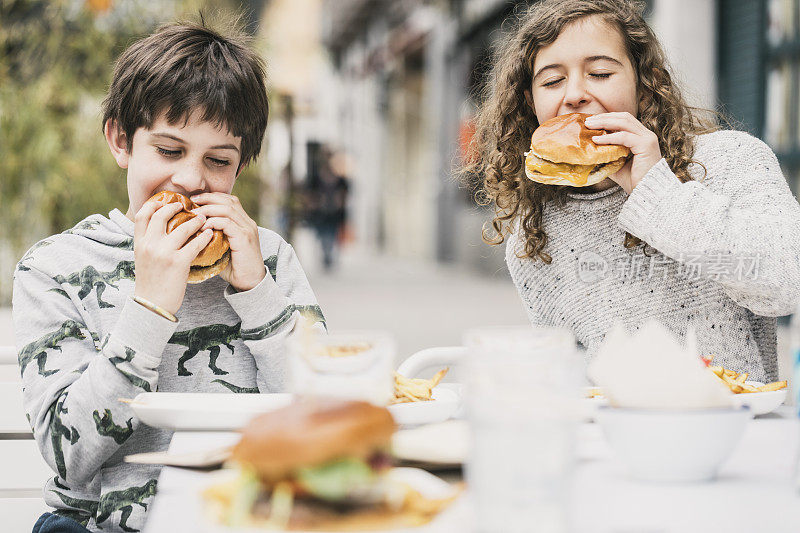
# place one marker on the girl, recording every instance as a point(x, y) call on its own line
point(698, 228)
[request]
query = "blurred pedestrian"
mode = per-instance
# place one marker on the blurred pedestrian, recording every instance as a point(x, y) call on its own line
point(329, 200)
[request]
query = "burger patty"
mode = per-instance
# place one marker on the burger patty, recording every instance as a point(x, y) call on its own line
point(222, 258)
point(570, 172)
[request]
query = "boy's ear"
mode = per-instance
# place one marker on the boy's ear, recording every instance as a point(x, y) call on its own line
point(117, 143)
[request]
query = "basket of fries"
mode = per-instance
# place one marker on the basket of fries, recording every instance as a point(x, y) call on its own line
point(421, 401)
point(761, 398)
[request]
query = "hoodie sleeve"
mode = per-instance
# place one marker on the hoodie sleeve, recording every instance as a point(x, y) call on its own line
point(740, 229)
point(73, 381)
point(269, 311)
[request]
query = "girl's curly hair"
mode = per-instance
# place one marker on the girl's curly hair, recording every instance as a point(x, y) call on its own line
point(505, 121)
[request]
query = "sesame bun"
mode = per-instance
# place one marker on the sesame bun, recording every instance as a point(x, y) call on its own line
point(311, 432)
point(212, 259)
point(563, 153)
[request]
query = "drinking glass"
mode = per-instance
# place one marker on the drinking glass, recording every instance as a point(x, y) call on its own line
point(523, 402)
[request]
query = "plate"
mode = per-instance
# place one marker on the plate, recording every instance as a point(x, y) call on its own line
point(190, 411)
point(589, 406)
point(444, 405)
point(445, 444)
point(760, 403)
point(451, 519)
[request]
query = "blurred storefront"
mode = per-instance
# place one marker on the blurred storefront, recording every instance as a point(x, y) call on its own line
point(405, 75)
point(395, 89)
point(759, 68)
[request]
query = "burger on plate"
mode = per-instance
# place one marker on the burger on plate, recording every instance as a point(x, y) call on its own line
point(563, 153)
point(212, 259)
point(319, 465)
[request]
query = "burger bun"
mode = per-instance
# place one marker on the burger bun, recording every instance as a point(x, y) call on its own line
point(212, 259)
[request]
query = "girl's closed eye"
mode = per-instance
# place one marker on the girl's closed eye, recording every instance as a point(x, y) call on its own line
point(552, 83)
point(601, 75)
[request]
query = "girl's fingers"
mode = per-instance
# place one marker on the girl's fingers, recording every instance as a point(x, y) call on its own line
point(625, 138)
point(614, 121)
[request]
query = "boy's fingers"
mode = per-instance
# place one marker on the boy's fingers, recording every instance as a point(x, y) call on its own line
point(196, 244)
point(158, 222)
point(182, 232)
point(228, 211)
point(222, 222)
point(142, 218)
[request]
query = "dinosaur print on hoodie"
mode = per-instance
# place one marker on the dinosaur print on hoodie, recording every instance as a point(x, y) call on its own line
point(73, 289)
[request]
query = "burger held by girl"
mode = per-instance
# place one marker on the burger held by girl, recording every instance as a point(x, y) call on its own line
point(699, 227)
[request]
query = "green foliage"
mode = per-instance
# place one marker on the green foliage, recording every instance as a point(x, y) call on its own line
point(54, 163)
point(56, 60)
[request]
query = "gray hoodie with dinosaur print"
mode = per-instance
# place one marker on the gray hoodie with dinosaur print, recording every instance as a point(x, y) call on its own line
point(83, 343)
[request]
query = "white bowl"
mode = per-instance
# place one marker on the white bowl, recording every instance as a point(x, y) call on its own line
point(760, 403)
point(673, 446)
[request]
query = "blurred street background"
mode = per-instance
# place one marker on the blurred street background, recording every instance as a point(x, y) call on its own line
point(371, 110)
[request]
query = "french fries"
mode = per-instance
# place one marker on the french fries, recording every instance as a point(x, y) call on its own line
point(415, 389)
point(736, 381)
point(594, 392)
point(345, 350)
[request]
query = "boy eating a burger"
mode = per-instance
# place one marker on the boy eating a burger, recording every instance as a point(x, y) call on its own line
point(181, 293)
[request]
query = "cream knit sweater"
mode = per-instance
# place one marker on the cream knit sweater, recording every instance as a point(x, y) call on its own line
point(723, 255)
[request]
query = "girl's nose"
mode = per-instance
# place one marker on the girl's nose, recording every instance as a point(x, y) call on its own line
point(576, 96)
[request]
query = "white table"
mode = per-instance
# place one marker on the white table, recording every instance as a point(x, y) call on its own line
point(754, 492)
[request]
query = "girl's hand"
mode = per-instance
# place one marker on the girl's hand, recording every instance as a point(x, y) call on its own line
point(163, 260)
point(628, 131)
point(225, 213)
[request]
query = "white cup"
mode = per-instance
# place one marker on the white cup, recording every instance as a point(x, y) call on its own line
point(522, 403)
point(363, 375)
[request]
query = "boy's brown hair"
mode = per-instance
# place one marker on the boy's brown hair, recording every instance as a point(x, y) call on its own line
point(184, 67)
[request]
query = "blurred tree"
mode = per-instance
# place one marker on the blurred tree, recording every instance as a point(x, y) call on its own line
point(56, 58)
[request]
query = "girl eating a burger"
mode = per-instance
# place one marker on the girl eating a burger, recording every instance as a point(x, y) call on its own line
point(696, 227)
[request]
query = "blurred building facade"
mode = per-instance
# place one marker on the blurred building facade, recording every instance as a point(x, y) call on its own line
point(395, 90)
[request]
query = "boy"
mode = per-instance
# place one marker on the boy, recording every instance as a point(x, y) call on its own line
point(103, 311)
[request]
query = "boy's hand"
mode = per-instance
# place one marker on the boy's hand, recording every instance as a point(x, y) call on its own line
point(163, 260)
point(224, 212)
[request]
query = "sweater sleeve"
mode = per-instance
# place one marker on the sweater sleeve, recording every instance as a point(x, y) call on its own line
point(269, 312)
point(73, 380)
point(741, 229)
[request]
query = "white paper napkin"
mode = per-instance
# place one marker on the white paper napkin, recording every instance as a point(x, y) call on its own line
point(652, 369)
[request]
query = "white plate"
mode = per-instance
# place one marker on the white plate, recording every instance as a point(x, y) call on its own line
point(444, 405)
point(459, 389)
point(446, 443)
point(760, 402)
point(189, 411)
point(181, 411)
point(430, 486)
point(589, 406)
